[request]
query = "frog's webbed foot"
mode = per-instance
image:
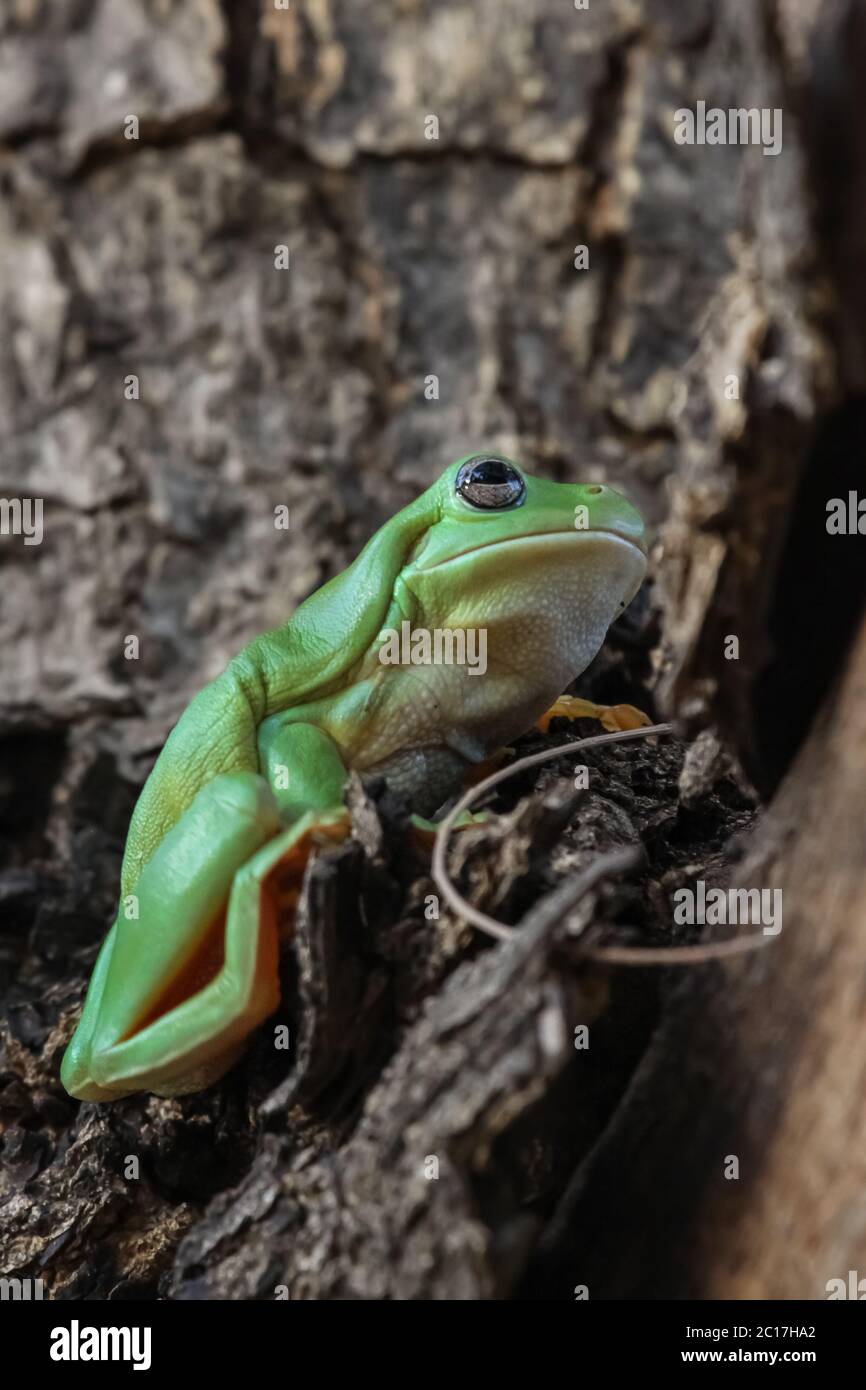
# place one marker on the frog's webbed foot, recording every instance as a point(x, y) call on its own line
point(425, 830)
point(614, 718)
point(178, 989)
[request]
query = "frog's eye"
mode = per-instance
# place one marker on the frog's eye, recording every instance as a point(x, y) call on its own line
point(490, 484)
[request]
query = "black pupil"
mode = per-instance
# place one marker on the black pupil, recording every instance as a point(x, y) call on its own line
point(491, 471)
point(490, 483)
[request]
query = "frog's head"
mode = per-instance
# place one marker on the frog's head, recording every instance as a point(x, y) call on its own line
point(545, 565)
point(488, 500)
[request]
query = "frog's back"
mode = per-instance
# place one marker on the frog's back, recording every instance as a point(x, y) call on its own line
point(306, 658)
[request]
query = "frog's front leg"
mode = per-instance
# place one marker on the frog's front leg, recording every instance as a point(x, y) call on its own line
point(178, 987)
point(614, 718)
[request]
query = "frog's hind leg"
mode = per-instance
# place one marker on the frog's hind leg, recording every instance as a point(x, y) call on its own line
point(75, 1067)
point(199, 1027)
point(190, 966)
point(166, 940)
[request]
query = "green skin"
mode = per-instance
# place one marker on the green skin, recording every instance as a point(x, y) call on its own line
point(260, 758)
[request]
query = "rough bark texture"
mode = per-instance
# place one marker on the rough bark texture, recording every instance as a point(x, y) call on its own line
point(415, 1046)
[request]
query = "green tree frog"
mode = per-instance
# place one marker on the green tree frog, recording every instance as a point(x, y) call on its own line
point(253, 774)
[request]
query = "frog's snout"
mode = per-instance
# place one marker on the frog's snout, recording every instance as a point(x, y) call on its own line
point(639, 539)
point(614, 513)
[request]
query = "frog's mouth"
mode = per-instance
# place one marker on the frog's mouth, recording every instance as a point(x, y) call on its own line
point(530, 538)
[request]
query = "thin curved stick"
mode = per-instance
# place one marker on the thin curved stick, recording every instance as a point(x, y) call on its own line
point(614, 955)
point(439, 869)
point(680, 955)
